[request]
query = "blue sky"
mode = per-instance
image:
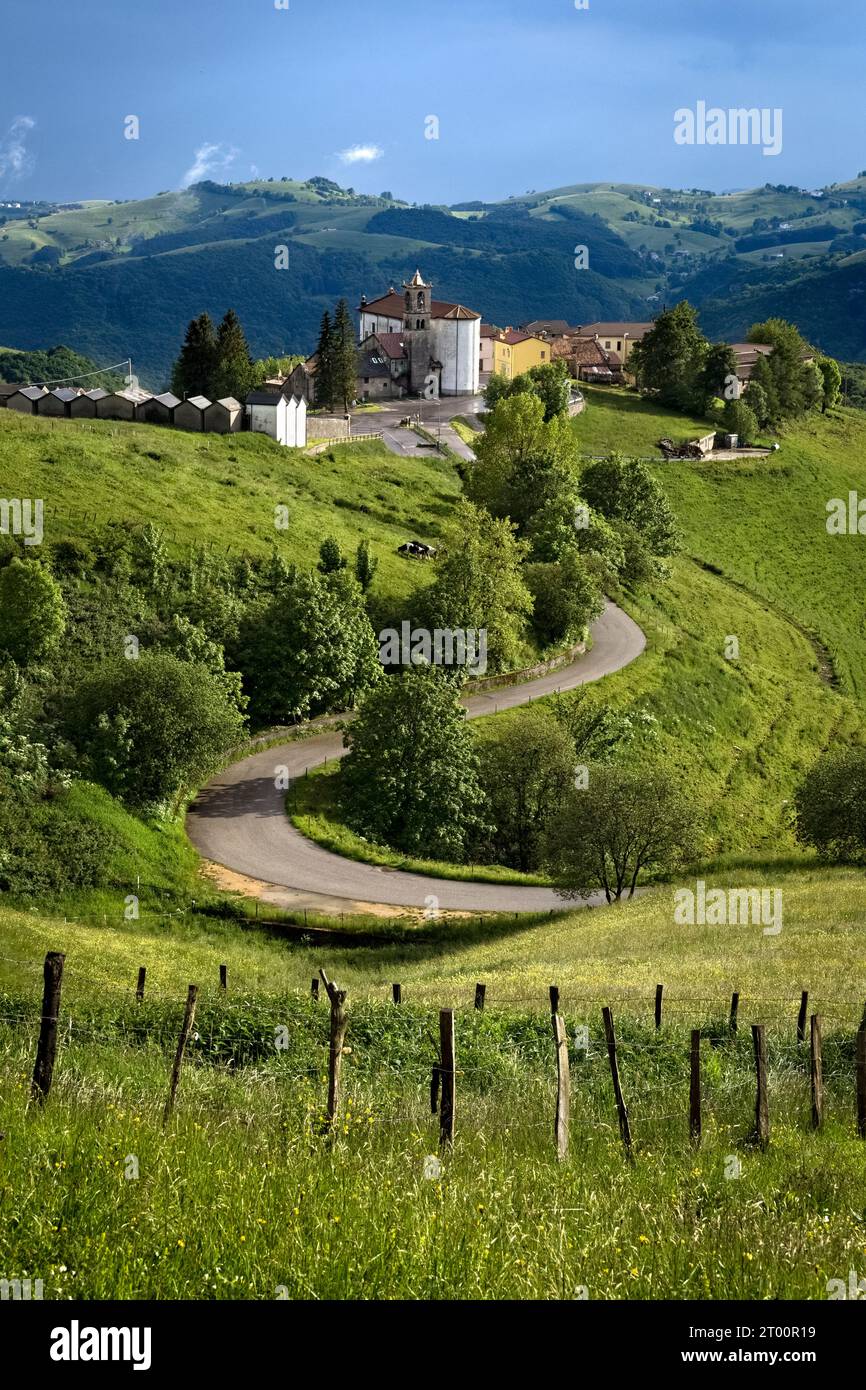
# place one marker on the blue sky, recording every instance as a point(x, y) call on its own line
point(529, 94)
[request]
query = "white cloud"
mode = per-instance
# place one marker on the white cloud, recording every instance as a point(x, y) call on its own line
point(15, 159)
point(210, 159)
point(361, 154)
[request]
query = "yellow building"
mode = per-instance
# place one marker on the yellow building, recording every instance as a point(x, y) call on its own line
point(526, 351)
point(508, 352)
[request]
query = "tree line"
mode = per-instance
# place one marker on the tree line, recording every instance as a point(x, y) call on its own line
point(675, 363)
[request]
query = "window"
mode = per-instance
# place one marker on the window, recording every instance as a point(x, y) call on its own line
point(543, 355)
point(607, 344)
point(421, 300)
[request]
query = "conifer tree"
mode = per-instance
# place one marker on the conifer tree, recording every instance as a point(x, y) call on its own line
point(234, 371)
point(344, 357)
point(324, 382)
point(194, 369)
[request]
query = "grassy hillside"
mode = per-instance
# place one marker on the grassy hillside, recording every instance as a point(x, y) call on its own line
point(80, 274)
point(222, 490)
point(241, 1197)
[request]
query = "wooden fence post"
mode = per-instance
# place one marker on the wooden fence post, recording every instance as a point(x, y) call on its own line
point(446, 1076)
point(185, 1030)
point(434, 1090)
point(139, 988)
point(660, 989)
point(46, 1048)
point(563, 1087)
point(224, 978)
point(480, 992)
point(762, 1109)
point(861, 1081)
point(339, 1021)
point(801, 1017)
point(314, 988)
point(622, 1113)
point(816, 1071)
point(397, 993)
point(735, 1004)
point(695, 1088)
point(554, 999)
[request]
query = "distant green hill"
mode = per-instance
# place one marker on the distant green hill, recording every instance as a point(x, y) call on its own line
point(122, 279)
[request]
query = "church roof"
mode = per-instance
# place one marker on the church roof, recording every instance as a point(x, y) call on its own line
point(392, 344)
point(418, 280)
point(392, 306)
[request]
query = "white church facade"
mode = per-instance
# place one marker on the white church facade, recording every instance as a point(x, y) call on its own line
point(442, 341)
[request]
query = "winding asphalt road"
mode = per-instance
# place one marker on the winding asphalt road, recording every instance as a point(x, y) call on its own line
point(239, 820)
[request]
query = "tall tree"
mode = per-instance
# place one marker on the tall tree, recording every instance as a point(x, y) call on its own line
point(527, 772)
point(365, 565)
point(479, 584)
point(235, 373)
point(193, 372)
point(831, 377)
point(410, 778)
point(670, 357)
point(324, 382)
point(795, 386)
point(628, 819)
point(32, 612)
point(345, 356)
point(716, 375)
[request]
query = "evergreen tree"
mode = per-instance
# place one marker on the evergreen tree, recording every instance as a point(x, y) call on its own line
point(331, 558)
point(365, 565)
point(762, 378)
point(796, 390)
point(324, 381)
point(194, 369)
point(345, 357)
point(234, 374)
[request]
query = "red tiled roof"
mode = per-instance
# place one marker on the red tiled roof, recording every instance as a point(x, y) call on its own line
point(615, 330)
point(392, 345)
point(513, 336)
point(393, 306)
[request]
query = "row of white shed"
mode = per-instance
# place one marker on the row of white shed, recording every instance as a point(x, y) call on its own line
point(282, 417)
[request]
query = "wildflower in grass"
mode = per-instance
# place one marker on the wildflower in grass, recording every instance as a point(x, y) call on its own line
point(643, 1240)
point(182, 1244)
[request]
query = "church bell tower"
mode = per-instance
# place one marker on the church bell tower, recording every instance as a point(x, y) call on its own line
point(416, 305)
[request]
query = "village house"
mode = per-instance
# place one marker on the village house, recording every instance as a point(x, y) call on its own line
point(509, 352)
point(158, 410)
point(84, 406)
point(615, 337)
point(189, 415)
point(548, 328)
point(121, 405)
point(383, 367)
point(26, 399)
point(58, 402)
point(441, 340)
point(587, 360)
point(224, 416)
point(282, 417)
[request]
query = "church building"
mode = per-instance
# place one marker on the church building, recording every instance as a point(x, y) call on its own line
point(441, 341)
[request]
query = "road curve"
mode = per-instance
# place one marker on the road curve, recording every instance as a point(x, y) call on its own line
point(239, 821)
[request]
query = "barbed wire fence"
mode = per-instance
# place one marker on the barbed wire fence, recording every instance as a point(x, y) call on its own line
point(234, 1032)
